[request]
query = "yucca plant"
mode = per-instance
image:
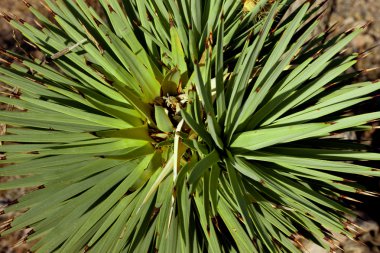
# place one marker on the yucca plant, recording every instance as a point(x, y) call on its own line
point(182, 126)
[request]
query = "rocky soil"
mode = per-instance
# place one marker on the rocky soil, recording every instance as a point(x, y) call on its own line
point(344, 13)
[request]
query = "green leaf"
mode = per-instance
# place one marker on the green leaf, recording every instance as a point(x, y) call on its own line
point(162, 119)
point(196, 127)
point(257, 139)
point(202, 165)
point(178, 56)
point(100, 120)
point(319, 164)
point(171, 83)
point(243, 242)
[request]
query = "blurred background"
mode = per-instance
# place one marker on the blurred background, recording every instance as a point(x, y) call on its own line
point(344, 14)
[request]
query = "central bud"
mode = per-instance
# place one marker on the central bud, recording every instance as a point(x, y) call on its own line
point(167, 115)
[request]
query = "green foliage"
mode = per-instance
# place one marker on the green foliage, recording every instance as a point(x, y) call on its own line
point(182, 126)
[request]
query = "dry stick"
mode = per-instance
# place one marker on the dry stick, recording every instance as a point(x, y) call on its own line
point(175, 170)
point(66, 50)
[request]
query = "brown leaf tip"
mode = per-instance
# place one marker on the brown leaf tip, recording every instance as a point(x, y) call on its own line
point(322, 16)
point(6, 227)
point(136, 23)
point(12, 202)
point(48, 9)
point(97, 22)
point(28, 5)
point(6, 16)
point(348, 181)
point(349, 31)
point(110, 8)
point(366, 25)
point(31, 232)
